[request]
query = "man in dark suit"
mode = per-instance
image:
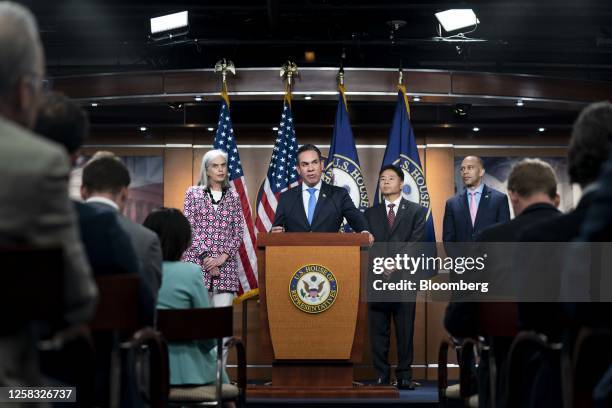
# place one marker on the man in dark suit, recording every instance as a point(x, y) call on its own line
point(394, 220)
point(532, 188)
point(474, 209)
point(315, 206)
point(105, 186)
point(589, 148)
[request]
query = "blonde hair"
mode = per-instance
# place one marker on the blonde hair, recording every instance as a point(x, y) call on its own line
point(530, 176)
point(208, 157)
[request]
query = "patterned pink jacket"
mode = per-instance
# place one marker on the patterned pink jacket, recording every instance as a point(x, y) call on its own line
point(215, 232)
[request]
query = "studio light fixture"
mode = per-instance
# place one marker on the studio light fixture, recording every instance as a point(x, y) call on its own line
point(308, 97)
point(93, 104)
point(275, 128)
point(456, 23)
point(143, 129)
point(456, 19)
point(476, 129)
point(416, 98)
point(198, 99)
point(210, 129)
point(169, 26)
point(520, 102)
point(541, 129)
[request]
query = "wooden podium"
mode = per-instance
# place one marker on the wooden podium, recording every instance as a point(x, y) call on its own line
point(311, 315)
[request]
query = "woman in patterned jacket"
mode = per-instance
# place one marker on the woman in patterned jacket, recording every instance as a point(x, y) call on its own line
point(215, 215)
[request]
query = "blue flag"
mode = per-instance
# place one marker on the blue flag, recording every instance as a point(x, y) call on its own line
point(402, 152)
point(342, 168)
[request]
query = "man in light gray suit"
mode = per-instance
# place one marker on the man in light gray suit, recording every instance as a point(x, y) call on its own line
point(105, 185)
point(34, 204)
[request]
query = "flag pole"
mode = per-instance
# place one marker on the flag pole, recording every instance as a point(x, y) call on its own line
point(341, 88)
point(402, 88)
point(224, 67)
point(287, 72)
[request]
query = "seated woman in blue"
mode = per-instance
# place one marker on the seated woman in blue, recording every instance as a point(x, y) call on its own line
point(191, 363)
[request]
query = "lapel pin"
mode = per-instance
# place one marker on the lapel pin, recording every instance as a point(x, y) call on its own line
point(403, 206)
point(324, 195)
point(486, 196)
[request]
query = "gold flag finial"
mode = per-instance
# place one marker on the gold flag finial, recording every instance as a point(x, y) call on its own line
point(400, 80)
point(341, 76)
point(288, 71)
point(224, 66)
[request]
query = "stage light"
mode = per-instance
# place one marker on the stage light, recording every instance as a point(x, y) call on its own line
point(308, 97)
point(275, 128)
point(520, 102)
point(169, 26)
point(143, 129)
point(456, 19)
point(541, 129)
point(210, 129)
point(416, 98)
point(198, 99)
point(476, 129)
point(94, 104)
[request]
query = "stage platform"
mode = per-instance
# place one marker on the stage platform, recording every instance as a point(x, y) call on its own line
point(425, 396)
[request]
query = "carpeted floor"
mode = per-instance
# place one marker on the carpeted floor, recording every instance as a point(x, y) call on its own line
point(424, 396)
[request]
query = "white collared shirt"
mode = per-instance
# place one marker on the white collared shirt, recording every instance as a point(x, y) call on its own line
point(396, 202)
point(102, 200)
point(306, 194)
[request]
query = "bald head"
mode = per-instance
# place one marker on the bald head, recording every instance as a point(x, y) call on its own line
point(472, 171)
point(21, 64)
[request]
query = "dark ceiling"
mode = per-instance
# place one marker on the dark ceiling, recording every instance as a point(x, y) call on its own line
point(561, 38)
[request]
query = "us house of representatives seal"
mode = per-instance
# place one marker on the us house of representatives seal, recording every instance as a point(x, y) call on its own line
point(313, 289)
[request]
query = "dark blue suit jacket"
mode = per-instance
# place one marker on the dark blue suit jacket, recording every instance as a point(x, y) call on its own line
point(333, 205)
point(107, 245)
point(110, 251)
point(457, 227)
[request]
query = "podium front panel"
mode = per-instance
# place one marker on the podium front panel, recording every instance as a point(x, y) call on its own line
point(307, 328)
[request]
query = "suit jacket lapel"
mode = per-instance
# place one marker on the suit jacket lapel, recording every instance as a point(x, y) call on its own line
point(401, 211)
point(483, 204)
point(465, 209)
point(300, 206)
point(382, 214)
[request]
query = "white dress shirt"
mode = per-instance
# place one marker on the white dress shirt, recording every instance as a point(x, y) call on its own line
point(102, 200)
point(396, 202)
point(306, 195)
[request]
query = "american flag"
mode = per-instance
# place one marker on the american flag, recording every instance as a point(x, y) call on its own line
point(282, 172)
point(247, 260)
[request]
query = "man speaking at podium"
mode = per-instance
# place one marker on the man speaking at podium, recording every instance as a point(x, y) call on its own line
point(315, 206)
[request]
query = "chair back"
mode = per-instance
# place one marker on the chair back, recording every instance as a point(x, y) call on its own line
point(32, 286)
point(195, 324)
point(117, 303)
point(592, 358)
point(498, 319)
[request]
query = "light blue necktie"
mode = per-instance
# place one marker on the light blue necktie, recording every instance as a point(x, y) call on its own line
point(312, 202)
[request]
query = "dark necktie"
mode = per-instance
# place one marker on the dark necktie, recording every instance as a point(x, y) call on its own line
point(391, 215)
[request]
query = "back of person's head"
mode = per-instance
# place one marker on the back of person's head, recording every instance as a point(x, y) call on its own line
point(590, 143)
point(105, 175)
point(532, 176)
point(21, 64)
point(63, 121)
point(173, 230)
